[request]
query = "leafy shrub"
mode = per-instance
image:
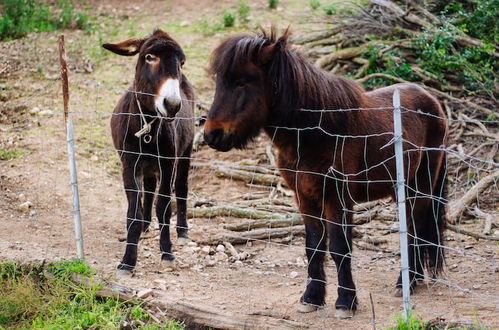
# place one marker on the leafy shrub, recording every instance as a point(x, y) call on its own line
point(243, 11)
point(331, 9)
point(21, 17)
point(314, 4)
point(228, 19)
point(273, 4)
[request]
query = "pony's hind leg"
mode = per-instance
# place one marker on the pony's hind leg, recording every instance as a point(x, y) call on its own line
point(149, 190)
point(164, 211)
point(315, 242)
point(134, 218)
point(181, 191)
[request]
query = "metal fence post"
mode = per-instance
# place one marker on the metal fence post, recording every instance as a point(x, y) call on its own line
point(71, 154)
point(399, 159)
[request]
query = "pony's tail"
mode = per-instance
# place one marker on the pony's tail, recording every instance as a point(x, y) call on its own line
point(431, 233)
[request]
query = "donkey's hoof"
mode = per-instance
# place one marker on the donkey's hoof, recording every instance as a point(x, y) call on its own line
point(343, 313)
point(183, 240)
point(307, 308)
point(124, 273)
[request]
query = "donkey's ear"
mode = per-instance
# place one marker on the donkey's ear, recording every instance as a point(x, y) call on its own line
point(128, 47)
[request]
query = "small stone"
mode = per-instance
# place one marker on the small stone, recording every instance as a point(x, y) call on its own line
point(220, 256)
point(205, 250)
point(34, 111)
point(293, 274)
point(192, 244)
point(46, 113)
point(238, 262)
point(24, 207)
point(220, 248)
point(94, 158)
point(243, 255)
point(196, 248)
point(144, 293)
point(300, 262)
point(185, 23)
point(32, 213)
point(22, 197)
point(476, 286)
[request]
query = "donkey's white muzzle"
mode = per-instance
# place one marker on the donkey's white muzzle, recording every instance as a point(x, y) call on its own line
point(168, 100)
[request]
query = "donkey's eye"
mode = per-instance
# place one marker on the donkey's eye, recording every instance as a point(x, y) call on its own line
point(151, 58)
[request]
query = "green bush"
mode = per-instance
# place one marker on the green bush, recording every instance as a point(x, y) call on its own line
point(21, 17)
point(331, 9)
point(228, 19)
point(273, 4)
point(314, 4)
point(243, 11)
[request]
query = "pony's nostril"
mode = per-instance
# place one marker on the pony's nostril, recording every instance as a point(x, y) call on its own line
point(213, 137)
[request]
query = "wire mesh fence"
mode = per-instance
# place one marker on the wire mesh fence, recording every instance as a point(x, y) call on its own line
point(247, 249)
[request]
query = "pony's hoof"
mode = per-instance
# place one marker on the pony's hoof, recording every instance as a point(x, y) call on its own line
point(342, 313)
point(124, 273)
point(183, 240)
point(307, 308)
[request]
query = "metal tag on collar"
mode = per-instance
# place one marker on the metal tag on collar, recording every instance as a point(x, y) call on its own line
point(147, 138)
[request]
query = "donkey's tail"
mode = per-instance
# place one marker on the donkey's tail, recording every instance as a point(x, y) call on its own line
point(431, 235)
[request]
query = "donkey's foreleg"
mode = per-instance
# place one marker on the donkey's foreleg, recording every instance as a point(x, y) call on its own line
point(340, 247)
point(134, 219)
point(181, 191)
point(164, 213)
point(315, 241)
point(149, 190)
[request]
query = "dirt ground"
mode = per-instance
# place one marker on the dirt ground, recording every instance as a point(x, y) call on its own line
point(272, 277)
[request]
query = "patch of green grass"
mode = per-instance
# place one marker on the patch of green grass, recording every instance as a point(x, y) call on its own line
point(331, 9)
point(314, 4)
point(243, 12)
point(412, 323)
point(228, 19)
point(20, 17)
point(11, 154)
point(273, 4)
point(47, 299)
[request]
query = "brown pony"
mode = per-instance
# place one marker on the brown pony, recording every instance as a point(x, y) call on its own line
point(153, 131)
point(332, 158)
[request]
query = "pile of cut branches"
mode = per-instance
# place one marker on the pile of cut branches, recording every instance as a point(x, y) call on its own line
point(450, 48)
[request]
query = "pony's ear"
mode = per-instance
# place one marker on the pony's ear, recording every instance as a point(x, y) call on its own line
point(268, 52)
point(128, 47)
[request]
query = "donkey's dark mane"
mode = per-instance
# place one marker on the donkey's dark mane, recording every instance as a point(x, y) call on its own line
point(294, 83)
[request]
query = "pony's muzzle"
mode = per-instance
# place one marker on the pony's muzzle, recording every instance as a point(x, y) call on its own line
point(215, 139)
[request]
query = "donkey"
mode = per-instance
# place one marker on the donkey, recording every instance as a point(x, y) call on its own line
point(332, 158)
point(153, 129)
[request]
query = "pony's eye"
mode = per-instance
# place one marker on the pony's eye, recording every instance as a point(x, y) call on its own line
point(150, 58)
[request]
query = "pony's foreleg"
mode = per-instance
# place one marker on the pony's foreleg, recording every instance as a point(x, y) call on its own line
point(134, 218)
point(315, 241)
point(164, 211)
point(340, 247)
point(149, 190)
point(181, 191)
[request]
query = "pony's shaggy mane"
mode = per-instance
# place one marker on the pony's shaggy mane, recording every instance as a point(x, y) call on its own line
point(295, 83)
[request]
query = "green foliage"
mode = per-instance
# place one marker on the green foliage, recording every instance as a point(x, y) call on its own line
point(331, 9)
point(21, 17)
point(437, 52)
point(31, 299)
point(273, 4)
point(228, 19)
point(314, 4)
point(243, 11)
point(477, 18)
point(10, 154)
point(412, 323)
